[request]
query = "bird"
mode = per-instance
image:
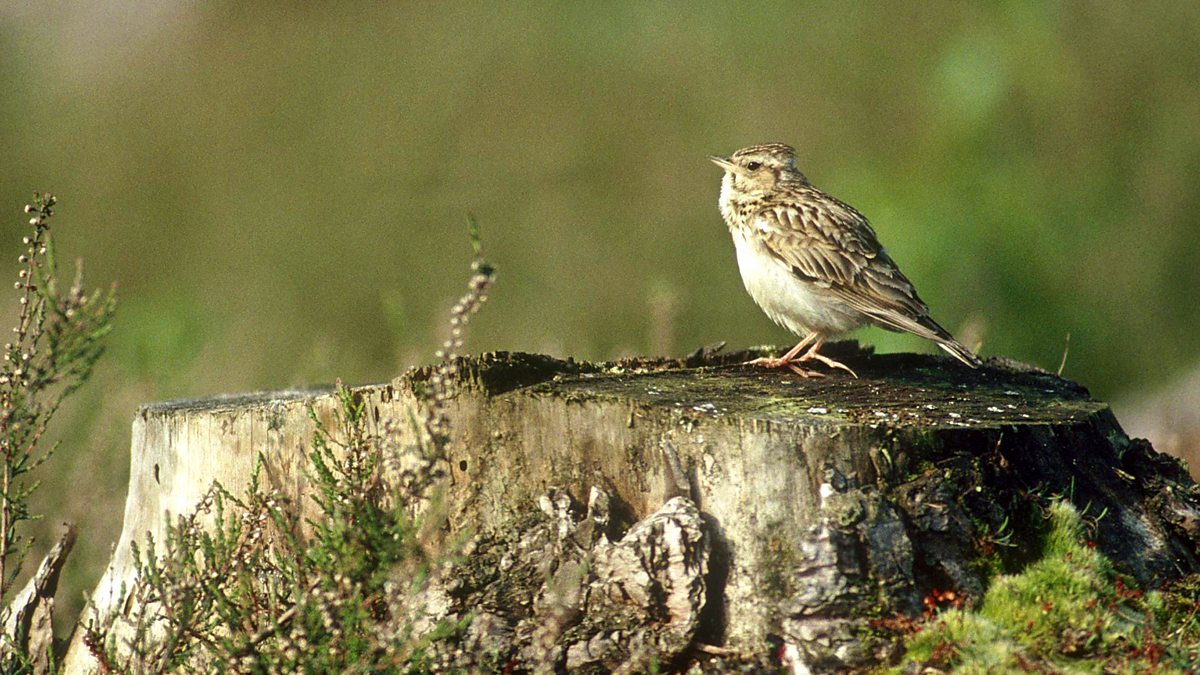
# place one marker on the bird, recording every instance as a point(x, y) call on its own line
point(813, 263)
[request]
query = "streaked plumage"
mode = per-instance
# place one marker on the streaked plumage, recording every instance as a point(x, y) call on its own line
point(812, 262)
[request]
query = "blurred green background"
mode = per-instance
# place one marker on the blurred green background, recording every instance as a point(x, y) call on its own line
point(280, 189)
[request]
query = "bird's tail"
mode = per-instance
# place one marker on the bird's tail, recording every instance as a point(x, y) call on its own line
point(959, 351)
point(918, 322)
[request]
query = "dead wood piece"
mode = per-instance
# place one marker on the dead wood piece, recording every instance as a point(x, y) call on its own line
point(30, 625)
point(651, 582)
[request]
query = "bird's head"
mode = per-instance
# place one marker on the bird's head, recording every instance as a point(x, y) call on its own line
point(759, 168)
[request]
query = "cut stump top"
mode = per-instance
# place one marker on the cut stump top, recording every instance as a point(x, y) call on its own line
point(894, 390)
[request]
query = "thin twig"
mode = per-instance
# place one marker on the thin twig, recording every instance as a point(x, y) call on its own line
point(1066, 350)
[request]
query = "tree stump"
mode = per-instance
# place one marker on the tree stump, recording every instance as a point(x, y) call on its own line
point(819, 503)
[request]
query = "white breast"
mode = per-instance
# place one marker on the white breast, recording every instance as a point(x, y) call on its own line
point(789, 301)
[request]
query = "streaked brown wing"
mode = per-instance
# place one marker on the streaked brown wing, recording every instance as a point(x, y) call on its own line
point(829, 243)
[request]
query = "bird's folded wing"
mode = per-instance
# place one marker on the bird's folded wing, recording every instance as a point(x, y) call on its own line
point(830, 244)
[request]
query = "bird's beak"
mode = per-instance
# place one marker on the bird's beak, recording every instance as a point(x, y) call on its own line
point(723, 163)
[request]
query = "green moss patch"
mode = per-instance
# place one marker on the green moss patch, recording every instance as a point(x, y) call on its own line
point(1068, 612)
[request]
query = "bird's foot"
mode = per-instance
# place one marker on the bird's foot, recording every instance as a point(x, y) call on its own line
point(792, 362)
point(768, 362)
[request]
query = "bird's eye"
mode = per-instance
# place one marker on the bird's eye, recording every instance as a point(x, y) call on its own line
point(754, 166)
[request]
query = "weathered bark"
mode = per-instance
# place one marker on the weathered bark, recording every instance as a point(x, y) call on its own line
point(824, 502)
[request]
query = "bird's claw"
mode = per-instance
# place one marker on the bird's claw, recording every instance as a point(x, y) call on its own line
point(831, 363)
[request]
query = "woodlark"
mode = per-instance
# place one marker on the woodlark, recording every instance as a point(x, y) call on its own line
point(812, 263)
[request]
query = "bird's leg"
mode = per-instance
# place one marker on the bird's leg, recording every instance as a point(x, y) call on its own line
point(789, 359)
point(812, 354)
point(791, 353)
point(769, 362)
